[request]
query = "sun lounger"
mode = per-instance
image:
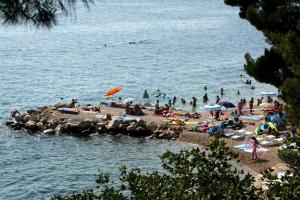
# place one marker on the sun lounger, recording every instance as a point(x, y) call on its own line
point(265, 143)
point(229, 134)
point(237, 137)
point(248, 133)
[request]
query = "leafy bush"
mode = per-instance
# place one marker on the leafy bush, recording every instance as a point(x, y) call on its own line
point(290, 153)
point(189, 174)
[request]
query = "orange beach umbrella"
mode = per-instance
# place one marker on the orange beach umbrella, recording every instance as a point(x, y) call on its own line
point(112, 91)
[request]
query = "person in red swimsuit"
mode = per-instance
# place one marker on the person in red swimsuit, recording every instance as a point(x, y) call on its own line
point(254, 148)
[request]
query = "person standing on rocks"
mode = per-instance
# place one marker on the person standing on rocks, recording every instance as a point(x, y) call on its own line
point(72, 104)
point(157, 104)
point(14, 113)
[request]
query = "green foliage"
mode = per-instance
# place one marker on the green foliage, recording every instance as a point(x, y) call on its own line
point(189, 174)
point(194, 174)
point(290, 153)
point(288, 187)
point(41, 13)
point(280, 65)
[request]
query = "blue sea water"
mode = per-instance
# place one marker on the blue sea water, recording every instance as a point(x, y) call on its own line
point(180, 46)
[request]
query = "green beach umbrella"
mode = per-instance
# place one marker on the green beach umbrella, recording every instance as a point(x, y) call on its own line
point(272, 126)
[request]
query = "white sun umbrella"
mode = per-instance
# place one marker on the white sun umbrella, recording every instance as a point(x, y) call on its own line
point(128, 100)
point(211, 108)
point(268, 94)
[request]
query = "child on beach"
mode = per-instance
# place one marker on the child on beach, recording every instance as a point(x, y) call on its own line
point(254, 148)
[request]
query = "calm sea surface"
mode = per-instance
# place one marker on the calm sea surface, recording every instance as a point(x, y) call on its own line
point(180, 46)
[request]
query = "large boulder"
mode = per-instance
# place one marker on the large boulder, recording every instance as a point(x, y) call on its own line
point(27, 118)
point(41, 126)
point(123, 126)
point(131, 128)
point(17, 126)
point(113, 124)
point(152, 126)
point(32, 111)
point(8, 123)
point(59, 129)
point(85, 124)
point(51, 124)
point(31, 125)
point(19, 118)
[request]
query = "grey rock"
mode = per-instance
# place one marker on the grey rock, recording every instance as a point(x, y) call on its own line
point(131, 128)
point(27, 118)
point(152, 126)
point(151, 136)
point(49, 131)
point(8, 123)
point(114, 123)
point(17, 126)
point(51, 124)
point(31, 125)
point(41, 126)
point(32, 111)
point(85, 124)
point(59, 129)
point(123, 126)
point(19, 118)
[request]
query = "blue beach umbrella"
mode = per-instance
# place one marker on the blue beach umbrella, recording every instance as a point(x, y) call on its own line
point(226, 104)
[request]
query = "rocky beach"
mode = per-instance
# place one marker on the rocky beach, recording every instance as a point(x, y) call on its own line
point(90, 120)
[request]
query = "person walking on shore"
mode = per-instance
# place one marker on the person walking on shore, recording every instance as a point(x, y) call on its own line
point(254, 148)
point(157, 104)
point(205, 98)
point(251, 102)
point(218, 99)
point(194, 101)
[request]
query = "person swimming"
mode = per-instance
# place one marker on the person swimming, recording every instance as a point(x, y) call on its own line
point(205, 88)
point(194, 101)
point(205, 98)
point(174, 100)
point(222, 91)
point(238, 92)
point(218, 99)
point(183, 101)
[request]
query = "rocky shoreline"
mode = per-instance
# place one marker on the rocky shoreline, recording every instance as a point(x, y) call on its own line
point(49, 120)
